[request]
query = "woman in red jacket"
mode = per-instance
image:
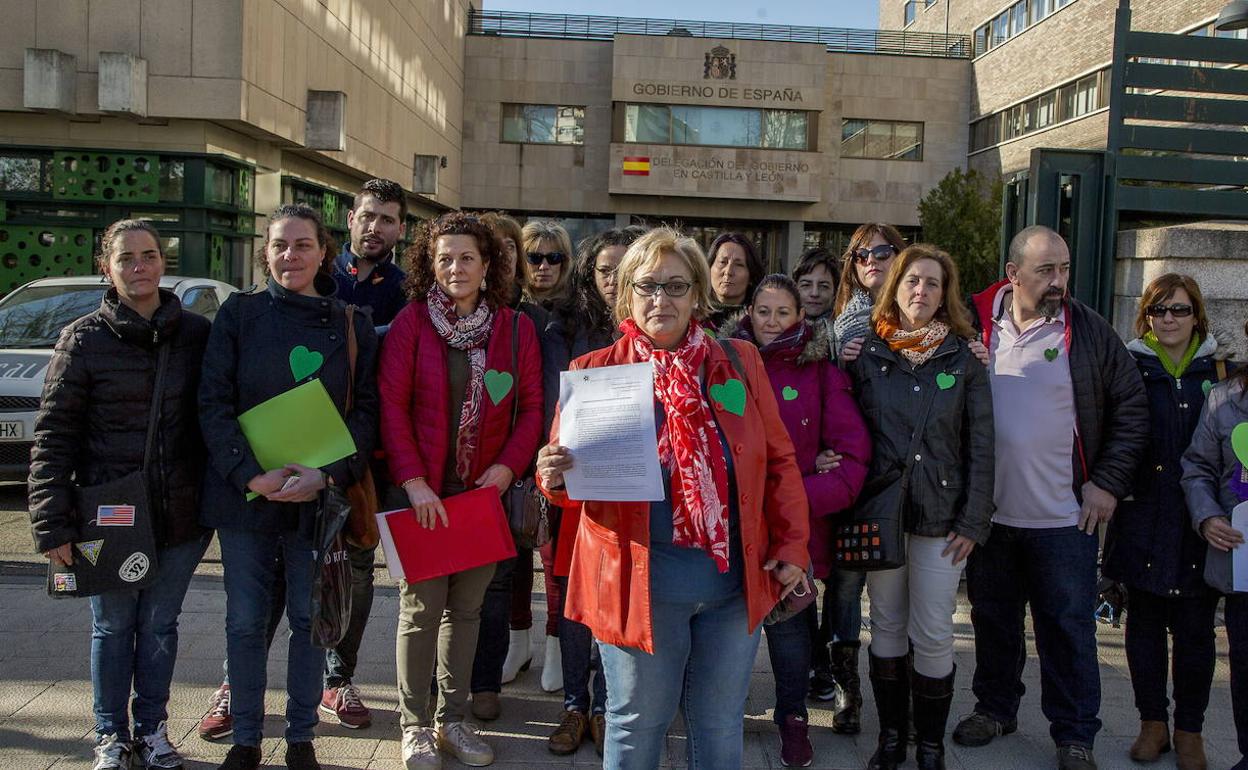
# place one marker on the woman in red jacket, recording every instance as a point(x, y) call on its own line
point(445, 432)
point(674, 590)
point(817, 406)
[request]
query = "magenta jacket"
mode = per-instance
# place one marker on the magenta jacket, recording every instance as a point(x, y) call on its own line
point(817, 406)
point(415, 409)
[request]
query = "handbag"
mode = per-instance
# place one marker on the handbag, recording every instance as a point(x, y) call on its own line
point(330, 610)
point(361, 526)
point(794, 604)
point(528, 510)
point(874, 538)
point(116, 544)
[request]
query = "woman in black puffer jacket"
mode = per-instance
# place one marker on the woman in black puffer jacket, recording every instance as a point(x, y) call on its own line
point(92, 428)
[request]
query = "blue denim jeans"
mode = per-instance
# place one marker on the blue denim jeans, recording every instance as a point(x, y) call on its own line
point(842, 614)
point(702, 662)
point(134, 644)
point(580, 661)
point(1055, 571)
point(250, 563)
point(789, 648)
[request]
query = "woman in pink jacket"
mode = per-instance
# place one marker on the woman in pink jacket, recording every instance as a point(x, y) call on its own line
point(817, 407)
point(446, 430)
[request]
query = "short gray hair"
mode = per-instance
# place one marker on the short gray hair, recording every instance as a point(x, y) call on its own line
point(1018, 244)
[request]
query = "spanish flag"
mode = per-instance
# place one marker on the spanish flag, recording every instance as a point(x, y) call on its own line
point(636, 166)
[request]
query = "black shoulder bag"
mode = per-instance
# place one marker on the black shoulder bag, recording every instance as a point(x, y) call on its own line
point(528, 510)
point(116, 545)
point(874, 538)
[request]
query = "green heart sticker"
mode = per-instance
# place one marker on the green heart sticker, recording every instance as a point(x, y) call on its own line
point(1206, 386)
point(789, 393)
point(1050, 354)
point(1239, 442)
point(304, 362)
point(498, 385)
point(945, 380)
point(731, 396)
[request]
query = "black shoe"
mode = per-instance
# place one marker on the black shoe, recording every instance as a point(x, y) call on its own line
point(931, 699)
point(890, 681)
point(979, 729)
point(847, 718)
point(300, 756)
point(241, 758)
point(822, 685)
point(1075, 758)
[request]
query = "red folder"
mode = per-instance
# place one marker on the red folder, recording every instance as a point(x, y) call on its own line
point(477, 534)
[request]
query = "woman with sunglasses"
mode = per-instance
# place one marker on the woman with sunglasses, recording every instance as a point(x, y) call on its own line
point(1151, 546)
point(675, 590)
point(871, 250)
point(547, 252)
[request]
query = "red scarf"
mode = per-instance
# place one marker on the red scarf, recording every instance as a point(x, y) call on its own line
point(471, 334)
point(689, 444)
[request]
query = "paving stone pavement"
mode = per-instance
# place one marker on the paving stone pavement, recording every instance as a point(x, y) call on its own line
point(45, 698)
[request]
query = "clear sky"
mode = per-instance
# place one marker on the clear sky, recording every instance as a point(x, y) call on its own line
point(859, 14)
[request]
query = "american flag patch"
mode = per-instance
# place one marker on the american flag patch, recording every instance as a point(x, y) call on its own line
point(114, 516)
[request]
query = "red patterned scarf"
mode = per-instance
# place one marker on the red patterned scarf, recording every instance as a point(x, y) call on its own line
point(470, 333)
point(689, 444)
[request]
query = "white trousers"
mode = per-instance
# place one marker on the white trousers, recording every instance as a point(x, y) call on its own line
point(915, 603)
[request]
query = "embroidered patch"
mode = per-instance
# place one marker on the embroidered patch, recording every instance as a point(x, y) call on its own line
point(134, 567)
point(114, 516)
point(90, 550)
point(64, 582)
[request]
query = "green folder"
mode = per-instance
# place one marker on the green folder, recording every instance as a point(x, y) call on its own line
point(300, 426)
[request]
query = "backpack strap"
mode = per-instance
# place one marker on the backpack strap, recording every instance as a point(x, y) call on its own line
point(515, 356)
point(1219, 366)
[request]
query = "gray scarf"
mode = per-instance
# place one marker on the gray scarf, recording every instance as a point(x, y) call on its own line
point(854, 320)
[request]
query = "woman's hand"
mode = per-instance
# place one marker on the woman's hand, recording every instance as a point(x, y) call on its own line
point(979, 350)
point(792, 577)
point(1219, 533)
point(498, 475)
point(552, 462)
point(959, 545)
point(267, 484)
point(852, 350)
point(306, 485)
point(827, 460)
point(62, 554)
point(425, 503)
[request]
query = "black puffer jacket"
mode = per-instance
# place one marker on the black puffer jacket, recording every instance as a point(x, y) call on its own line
point(92, 424)
point(951, 483)
point(248, 362)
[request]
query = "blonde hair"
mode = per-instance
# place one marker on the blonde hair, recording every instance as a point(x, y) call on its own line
point(534, 232)
point(646, 252)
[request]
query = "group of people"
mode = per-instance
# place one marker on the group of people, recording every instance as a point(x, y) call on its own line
point(1004, 432)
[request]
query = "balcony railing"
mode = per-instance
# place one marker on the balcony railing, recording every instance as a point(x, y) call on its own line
point(571, 27)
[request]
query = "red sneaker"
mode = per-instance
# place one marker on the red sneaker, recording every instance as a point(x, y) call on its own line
point(795, 748)
point(218, 722)
point(346, 704)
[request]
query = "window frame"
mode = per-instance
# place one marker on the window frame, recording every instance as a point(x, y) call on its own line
point(864, 132)
point(579, 121)
point(763, 114)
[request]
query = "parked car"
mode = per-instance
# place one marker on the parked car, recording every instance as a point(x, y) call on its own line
point(31, 320)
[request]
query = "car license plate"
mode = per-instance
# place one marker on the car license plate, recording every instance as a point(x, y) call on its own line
point(12, 430)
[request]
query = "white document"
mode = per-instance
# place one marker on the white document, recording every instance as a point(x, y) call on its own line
point(1239, 556)
point(606, 419)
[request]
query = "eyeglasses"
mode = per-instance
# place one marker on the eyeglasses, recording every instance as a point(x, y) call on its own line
point(881, 253)
point(550, 257)
point(1159, 311)
point(671, 288)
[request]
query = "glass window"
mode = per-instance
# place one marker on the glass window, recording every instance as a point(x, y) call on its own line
point(172, 180)
point(881, 139)
point(1086, 95)
point(981, 40)
point(785, 129)
point(910, 8)
point(1046, 110)
point(853, 138)
point(201, 300)
point(722, 126)
point(647, 124)
point(716, 126)
point(1001, 29)
point(908, 141)
point(1038, 10)
point(219, 184)
point(1018, 17)
point(33, 317)
point(543, 124)
point(22, 174)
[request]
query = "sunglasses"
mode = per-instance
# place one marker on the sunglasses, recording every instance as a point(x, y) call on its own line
point(1159, 311)
point(881, 253)
point(550, 257)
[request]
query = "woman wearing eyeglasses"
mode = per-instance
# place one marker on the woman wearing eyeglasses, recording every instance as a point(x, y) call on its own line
point(546, 256)
point(1151, 546)
point(675, 590)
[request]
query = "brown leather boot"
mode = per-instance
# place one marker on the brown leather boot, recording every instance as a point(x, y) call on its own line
point(1189, 750)
point(1154, 741)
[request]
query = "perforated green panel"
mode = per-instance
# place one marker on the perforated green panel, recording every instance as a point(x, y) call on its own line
point(28, 252)
point(97, 176)
point(329, 209)
point(217, 258)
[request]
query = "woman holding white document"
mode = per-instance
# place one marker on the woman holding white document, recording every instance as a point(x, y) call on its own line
point(675, 590)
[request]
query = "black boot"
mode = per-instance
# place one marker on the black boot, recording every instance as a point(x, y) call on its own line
point(847, 719)
point(932, 698)
point(890, 682)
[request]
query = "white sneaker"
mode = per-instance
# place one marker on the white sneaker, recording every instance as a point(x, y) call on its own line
point(155, 750)
point(552, 668)
point(460, 740)
point(111, 753)
point(519, 655)
point(420, 749)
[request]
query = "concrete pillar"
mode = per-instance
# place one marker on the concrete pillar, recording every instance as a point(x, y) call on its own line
point(50, 81)
point(1214, 253)
point(794, 240)
point(122, 84)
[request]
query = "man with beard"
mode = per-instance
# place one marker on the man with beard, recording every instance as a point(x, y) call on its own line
point(1071, 425)
point(366, 270)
